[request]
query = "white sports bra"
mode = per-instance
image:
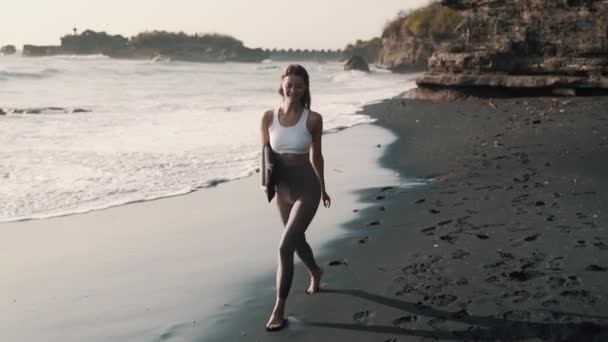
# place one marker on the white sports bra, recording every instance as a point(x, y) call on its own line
point(294, 139)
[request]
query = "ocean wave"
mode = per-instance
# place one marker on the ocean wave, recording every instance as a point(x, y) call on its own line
point(137, 197)
point(44, 73)
point(79, 57)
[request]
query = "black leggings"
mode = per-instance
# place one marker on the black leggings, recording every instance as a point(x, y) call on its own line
point(298, 197)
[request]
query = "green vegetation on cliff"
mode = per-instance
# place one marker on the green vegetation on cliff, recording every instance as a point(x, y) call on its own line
point(91, 42)
point(171, 40)
point(433, 21)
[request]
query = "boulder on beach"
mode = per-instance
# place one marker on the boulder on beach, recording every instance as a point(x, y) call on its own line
point(356, 63)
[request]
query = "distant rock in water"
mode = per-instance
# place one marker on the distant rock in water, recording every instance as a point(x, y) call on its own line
point(8, 50)
point(2, 112)
point(356, 63)
point(528, 47)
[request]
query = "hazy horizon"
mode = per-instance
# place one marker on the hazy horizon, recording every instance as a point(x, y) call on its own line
point(264, 23)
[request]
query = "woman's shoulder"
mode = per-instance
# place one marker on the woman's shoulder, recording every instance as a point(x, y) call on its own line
point(315, 116)
point(267, 115)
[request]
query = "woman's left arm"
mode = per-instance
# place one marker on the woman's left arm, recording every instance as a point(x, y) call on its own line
point(316, 155)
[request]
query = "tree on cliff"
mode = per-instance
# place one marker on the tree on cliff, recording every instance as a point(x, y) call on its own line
point(91, 42)
point(434, 21)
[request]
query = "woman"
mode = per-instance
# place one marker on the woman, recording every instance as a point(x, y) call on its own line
point(294, 133)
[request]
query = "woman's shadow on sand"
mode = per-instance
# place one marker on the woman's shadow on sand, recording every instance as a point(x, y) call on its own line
point(481, 328)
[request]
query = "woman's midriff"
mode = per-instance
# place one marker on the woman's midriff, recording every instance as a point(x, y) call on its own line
point(292, 159)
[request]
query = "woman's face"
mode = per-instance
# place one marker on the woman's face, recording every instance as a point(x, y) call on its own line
point(293, 87)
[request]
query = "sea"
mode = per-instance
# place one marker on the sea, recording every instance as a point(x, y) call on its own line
point(103, 132)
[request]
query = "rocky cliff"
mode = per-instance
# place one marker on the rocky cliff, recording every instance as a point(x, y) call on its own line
point(409, 40)
point(368, 49)
point(536, 45)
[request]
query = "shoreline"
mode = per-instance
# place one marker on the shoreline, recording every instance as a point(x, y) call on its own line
point(141, 271)
point(508, 242)
point(487, 250)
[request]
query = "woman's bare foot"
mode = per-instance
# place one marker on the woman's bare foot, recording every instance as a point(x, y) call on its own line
point(277, 320)
point(315, 281)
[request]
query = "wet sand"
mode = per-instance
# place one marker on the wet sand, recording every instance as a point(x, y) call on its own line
point(508, 241)
point(170, 269)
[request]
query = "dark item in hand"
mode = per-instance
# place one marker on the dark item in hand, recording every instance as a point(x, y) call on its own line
point(268, 172)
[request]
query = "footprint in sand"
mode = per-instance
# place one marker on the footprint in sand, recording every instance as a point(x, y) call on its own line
point(581, 295)
point(595, 268)
point(338, 262)
point(555, 282)
point(373, 223)
point(405, 322)
point(602, 246)
point(460, 254)
point(363, 317)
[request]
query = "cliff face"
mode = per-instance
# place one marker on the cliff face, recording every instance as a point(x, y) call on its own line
point(402, 52)
point(409, 40)
point(368, 49)
point(525, 44)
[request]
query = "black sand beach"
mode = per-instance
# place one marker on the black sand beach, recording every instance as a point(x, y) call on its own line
point(508, 241)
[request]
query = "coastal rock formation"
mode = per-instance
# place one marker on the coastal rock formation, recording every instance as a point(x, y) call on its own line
point(410, 40)
point(540, 46)
point(211, 48)
point(41, 50)
point(90, 42)
point(368, 49)
point(356, 63)
point(2, 112)
point(8, 50)
point(149, 45)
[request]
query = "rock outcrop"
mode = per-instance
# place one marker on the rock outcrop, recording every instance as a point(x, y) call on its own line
point(356, 63)
point(150, 45)
point(409, 40)
point(90, 42)
point(41, 50)
point(541, 46)
point(368, 49)
point(8, 50)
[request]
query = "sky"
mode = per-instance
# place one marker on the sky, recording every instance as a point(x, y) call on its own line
point(304, 24)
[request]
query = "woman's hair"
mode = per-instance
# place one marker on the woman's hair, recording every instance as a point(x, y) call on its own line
point(298, 70)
